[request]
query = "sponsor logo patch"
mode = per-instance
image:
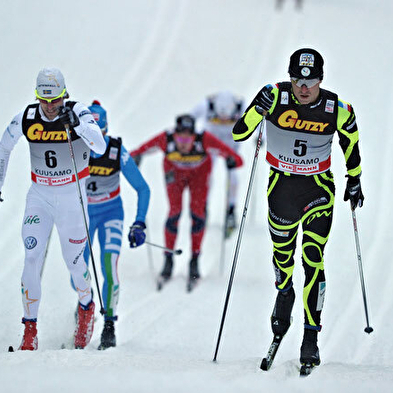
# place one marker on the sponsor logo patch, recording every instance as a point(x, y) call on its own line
point(77, 241)
point(30, 242)
point(321, 295)
point(31, 113)
point(290, 119)
point(306, 59)
point(113, 152)
point(284, 98)
point(329, 106)
point(32, 220)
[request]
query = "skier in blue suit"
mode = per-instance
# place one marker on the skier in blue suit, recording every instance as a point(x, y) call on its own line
point(106, 214)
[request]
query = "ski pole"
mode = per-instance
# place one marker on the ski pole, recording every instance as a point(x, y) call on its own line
point(177, 252)
point(239, 236)
point(368, 329)
point(102, 311)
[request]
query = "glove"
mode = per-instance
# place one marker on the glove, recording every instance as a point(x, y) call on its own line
point(231, 162)
point(353, 192)
point(264, 100)
point(1, 199)
point(137, 159)
point(68, 116)
point(137, 236)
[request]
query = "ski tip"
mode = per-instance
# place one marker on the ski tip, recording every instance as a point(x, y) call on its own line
point(306, 369)
point(264, 365)
point(11, 349)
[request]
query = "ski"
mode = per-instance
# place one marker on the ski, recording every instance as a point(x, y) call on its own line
point(192, 283)
point(306, 369)
point(271, 353)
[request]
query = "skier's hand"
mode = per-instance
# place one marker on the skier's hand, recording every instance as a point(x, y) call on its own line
point(1, 199)
point(264, 100)
point(137, 236)
point(231, 162)
point(68, 116)
point(353, 192)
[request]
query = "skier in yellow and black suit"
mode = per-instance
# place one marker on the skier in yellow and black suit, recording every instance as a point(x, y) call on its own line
point(301, 119)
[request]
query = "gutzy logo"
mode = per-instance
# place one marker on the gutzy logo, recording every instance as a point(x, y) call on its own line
point(30, 242)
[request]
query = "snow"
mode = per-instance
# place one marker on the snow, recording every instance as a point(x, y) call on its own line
point(147, 62)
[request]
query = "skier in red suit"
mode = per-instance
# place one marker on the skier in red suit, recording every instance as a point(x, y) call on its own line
point(187, 163)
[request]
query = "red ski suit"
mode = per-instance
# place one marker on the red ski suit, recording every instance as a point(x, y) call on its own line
point(190, 170)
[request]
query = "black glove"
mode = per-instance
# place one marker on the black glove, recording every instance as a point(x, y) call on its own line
point(68, 116)
point(1, 199)
point(231, 162)
point(137, 236)
point(353, 192)
point(137, 159)
point(264, 100)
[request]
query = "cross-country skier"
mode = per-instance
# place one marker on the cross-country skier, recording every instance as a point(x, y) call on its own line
point(219, 112)
point(187, 164)
point(106, 214)
point(53, 197)
point(301, 119)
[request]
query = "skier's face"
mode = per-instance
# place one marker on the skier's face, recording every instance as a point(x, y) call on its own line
point(184, 141)
point(306, 95)
point(51, 109)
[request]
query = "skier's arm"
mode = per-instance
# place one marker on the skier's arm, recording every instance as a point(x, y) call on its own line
point(8, 141)
point(210, 142)
point(349, 138)
point(247, 124)
point(135, 178)
point(88, 129)
point(158, 142)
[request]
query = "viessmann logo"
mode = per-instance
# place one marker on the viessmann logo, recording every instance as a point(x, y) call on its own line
point(36, 133)
point(290, 119)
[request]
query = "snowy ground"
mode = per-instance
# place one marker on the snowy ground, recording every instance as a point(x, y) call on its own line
point(147, 62)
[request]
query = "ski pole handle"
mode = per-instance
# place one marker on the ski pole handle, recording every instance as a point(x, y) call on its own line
point(177, 252)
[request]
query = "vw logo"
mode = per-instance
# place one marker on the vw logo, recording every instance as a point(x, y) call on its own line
point(30, 242)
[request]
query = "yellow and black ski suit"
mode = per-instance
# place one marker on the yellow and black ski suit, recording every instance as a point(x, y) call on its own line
point(301, 187)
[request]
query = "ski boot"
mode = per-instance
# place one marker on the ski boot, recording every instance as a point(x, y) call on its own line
point(30, 339)
point(281, 317)
point(230, 221)
point(168, 266)
point(194, 275)
point(84, 326)
point(108, 338)
point(309, 352)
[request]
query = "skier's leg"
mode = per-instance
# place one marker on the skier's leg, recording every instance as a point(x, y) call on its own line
point(199, 185)
point(37, 224)
point(283, 226)
point(110, 237)
point(316, 224)
point(73, 240)
point(175, 184)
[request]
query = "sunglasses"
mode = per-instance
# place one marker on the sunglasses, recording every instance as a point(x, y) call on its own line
point(308, 82)
point(184, 139)
point(53, 100)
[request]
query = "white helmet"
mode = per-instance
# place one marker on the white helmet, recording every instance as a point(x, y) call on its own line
point(50, 83)
point(225, 104)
